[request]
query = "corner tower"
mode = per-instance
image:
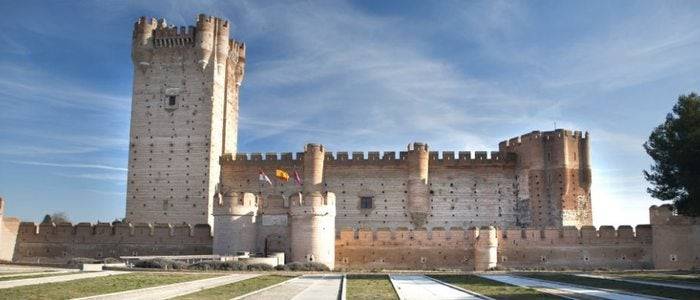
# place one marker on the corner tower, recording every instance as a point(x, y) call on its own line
point(312, 214)
point(553, 178)
point(184, 116)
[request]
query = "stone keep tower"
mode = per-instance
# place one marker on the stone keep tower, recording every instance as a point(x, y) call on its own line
point(553, 177)
point(312, 214)
point(184, 116)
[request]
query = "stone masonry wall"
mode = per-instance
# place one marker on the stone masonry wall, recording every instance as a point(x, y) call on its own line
point(57, 243)
point(553, 249)
point(184, 117)
point(676, 239)
point(405, 249)
point(465, 191)
point(570, 248)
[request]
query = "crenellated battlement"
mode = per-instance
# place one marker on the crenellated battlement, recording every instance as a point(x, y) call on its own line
point(570, 235)
point(665, 215)
point(54, 232)
point(235, 203)
point(540, 136)
point(482, 157)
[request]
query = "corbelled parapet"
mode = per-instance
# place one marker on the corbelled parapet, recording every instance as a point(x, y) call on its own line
point(210, 38)
point(418, 190)
point(238, 204)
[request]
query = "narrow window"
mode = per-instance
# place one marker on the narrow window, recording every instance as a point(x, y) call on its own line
point(366, 202)
point(171, 100)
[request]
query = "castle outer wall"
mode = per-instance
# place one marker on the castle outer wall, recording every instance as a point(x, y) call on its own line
point(670, 242)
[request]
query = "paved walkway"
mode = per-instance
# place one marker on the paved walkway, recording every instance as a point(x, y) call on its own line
point(309, 287)
point(421, 287)
point(566, 290)
point(174, 290)
point(686, 286)
point(57, 278)
point(4, 269)
point(57, 272)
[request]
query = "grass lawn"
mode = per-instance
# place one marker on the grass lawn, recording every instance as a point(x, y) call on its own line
point(34, 276)
point(493, 289)
point(97, 286)
point(237, 288)
point(370, 287)
point(619, 285)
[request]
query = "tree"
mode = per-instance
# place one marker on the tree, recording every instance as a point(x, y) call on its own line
point(47, 219)
point(675, 148)
point(58, 217)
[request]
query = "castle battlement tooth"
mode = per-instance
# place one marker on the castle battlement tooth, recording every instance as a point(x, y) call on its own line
point(370, 157)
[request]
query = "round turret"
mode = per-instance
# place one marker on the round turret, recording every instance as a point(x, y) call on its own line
point(204, 39)
point(235, 224)
point(222, 41)
point(418, 191)
point(313, 214)
point(486, 249)
point(142, 42)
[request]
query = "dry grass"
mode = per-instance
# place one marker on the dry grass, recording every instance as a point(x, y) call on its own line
point(370, 287)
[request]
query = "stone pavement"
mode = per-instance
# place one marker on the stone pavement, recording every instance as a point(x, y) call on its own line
point(566, 290)
point(421, 287)
point(47, 272)
point(57, 278)
point(686, 286)
point(308, 287)
point(6, 269)
point(174, 290)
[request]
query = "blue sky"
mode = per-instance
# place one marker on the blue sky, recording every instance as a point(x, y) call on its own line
point(355, 76)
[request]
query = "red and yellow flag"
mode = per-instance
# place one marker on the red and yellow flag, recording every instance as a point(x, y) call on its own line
point(282, 175)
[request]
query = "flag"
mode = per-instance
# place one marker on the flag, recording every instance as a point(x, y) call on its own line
point(297, 179)
point(264, 177)
point(281, 175)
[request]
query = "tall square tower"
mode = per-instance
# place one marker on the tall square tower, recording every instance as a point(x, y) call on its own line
point(184, 115)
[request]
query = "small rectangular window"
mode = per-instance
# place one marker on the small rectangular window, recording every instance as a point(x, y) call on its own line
point(171, 100)
point(366, 203)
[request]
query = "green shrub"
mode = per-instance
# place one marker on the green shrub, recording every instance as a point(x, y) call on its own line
point(77, 262)
point(306, 266)
point(207, 265)
point(260, 267)
point(112, 260)
point(160, 263)
point(234, 266)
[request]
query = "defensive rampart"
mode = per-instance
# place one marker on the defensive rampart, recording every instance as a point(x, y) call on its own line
point(57, 243)
point(456, 248)
point(406, 249)
point(676, 239)
point(570, 248)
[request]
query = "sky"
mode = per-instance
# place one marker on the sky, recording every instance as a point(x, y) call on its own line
point(354, 76)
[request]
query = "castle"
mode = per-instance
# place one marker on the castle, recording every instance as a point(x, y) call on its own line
point(183, 165)
point(529, 204)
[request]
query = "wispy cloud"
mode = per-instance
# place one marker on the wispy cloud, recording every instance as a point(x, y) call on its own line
point(118, 177)
point(69, 165)
point(22, 150)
